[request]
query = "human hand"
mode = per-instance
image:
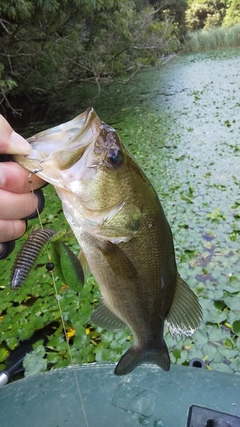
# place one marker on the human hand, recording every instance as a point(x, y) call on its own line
point(17, 202)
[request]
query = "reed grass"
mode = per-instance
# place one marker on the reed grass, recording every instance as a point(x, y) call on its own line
point(214, 38)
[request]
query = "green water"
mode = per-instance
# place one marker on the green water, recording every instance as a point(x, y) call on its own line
point(181, 122)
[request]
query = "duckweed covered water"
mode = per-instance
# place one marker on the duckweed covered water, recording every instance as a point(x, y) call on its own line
point(182, 124)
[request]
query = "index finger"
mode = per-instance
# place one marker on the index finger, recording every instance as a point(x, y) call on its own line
point(10, 141)
point(15, 178)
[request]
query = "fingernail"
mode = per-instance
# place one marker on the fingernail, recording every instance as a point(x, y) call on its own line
point(2, 178)
point(18, 145)
point(6, 248)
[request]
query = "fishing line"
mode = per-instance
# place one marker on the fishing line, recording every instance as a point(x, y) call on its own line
point(68, 345)
point(60, 310)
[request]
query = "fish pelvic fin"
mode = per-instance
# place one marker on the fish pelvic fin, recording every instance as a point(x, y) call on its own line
point(185, 313)
point(104, 318)
point(136, 356)
point(84, 264)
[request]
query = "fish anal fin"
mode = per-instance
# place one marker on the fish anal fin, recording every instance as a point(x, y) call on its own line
point(135, 356)
point(185, 313)
point(104, 318)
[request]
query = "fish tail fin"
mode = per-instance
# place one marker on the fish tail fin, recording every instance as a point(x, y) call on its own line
point(135, 356)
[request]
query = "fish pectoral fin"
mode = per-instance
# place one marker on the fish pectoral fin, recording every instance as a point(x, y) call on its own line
point(186, 312)
point(84, 264)
point(136, 356)
point(118, 261)
point(104, 318)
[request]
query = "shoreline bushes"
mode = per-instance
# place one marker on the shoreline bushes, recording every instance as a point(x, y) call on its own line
point(214, 38)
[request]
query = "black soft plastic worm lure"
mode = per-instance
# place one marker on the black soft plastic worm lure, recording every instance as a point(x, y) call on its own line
point(28, 254)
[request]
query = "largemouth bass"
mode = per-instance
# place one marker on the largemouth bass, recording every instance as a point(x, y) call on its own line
point(124, 236)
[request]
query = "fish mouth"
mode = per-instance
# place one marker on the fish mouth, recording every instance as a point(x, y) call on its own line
point(67, 135)
point(60, 147)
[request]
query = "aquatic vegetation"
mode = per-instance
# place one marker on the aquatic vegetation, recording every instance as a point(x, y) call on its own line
point(176, 123)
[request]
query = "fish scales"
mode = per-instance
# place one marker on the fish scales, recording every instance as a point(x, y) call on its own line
point(125, 239)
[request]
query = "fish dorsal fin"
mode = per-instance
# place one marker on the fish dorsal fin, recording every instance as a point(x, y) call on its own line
point(186, 312)
point(84, 264)
point(104, 318)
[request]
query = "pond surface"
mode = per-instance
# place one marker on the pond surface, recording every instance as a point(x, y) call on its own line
point(182, 123)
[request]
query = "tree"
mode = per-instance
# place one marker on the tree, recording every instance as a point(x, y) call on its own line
point(205, 13)
point(175, 9)
point(46, 45)
point(232, 14)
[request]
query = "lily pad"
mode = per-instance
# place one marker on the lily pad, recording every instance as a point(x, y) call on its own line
point(236, 327)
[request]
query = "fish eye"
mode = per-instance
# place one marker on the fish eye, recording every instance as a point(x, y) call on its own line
point(115, 158)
